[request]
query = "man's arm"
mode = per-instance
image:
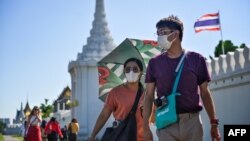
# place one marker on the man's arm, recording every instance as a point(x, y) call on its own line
point(207, 100)
point(148, 101)
point(210, 108)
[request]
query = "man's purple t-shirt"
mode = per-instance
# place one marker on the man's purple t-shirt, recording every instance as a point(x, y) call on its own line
point(161, 71)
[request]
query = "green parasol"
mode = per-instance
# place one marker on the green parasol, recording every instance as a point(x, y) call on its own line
point(110, 68)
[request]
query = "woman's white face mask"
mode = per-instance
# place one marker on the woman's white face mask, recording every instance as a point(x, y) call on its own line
point(132, 76)
point(163, 41)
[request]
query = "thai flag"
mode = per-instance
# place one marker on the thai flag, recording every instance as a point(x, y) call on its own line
point(207, 22)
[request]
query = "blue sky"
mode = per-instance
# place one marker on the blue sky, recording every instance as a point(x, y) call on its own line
point(39, 38)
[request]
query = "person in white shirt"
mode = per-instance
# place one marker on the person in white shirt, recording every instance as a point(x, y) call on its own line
point(33, 125)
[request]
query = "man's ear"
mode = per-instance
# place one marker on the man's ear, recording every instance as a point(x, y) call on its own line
point(177, 33)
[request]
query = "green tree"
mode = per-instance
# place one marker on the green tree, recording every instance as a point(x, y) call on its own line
point(243, 45)
point(72, 104)
point(46, 109)
point(2, 126)
point(228, 47)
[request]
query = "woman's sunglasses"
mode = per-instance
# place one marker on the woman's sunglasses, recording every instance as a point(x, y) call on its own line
point(134, 69)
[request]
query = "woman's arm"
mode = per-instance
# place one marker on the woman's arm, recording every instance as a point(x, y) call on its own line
point(39, 117)
point(101, 120)
point(77, 127)
point(58, 128)
point(28, 122)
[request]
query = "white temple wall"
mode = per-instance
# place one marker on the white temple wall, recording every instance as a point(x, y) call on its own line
point(87, 93)
point(230, 87)
point(95, 105)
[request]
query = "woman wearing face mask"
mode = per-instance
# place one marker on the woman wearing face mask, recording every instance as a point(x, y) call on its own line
point(121, 99)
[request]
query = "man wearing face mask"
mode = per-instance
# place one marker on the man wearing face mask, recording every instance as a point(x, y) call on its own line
point(121, 99)
point(192, 86)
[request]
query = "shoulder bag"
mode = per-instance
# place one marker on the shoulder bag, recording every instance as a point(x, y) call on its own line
point(166, 114)
point(127, 129)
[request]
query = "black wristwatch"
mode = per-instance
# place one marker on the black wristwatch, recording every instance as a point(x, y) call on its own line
point(214, 121)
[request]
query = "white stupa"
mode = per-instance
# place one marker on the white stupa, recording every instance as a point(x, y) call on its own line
point(84, 74)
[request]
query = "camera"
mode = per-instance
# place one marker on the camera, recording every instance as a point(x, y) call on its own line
point(160, 101)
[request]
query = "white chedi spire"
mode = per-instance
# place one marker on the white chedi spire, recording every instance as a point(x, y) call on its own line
point(100, 43)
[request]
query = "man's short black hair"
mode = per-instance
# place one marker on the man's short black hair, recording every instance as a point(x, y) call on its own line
point(172, 22)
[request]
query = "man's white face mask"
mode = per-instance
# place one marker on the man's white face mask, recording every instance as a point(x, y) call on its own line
point(132, 76)
point(163, 41)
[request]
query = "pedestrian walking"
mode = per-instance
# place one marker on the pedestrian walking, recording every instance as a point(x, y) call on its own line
point(191, 89)
point(33, 125)
point(73, 129)
point(52, 129)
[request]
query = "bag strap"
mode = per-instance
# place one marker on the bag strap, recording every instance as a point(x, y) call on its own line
point(178, 70)
point(138, 95)
point(33, 120)
point(26, 129)
point(181, 61)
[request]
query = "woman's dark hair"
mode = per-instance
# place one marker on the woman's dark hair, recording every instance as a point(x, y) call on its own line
point(136, 60)
point(53, 119)
point(172, 22)
point(74, 120)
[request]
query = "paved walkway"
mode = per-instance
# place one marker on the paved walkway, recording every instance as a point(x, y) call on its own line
point(9, 138)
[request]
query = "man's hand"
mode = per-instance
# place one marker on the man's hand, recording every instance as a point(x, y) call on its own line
point(215, 134)
point(148, 136)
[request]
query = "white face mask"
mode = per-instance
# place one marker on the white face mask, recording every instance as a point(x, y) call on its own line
point(163, 41)
point(132, 77)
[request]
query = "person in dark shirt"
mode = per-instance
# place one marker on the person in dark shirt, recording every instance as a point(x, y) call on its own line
point(43, 125)
point(65, 133)
point(192, 87)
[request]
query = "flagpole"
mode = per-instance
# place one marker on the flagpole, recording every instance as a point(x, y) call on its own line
point(222, 43)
